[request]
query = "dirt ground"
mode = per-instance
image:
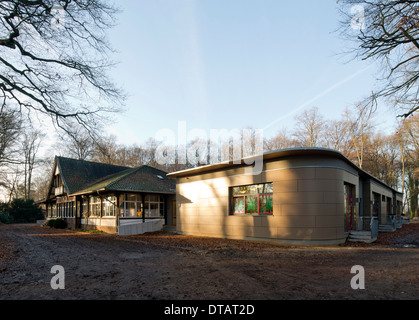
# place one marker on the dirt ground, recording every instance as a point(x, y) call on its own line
point(165, 266)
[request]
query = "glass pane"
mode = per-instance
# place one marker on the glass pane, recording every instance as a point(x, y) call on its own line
point(154, 210)
point(131, 212)
point(152, 198)
point(111, 205)
point(246, 199)
point(85, 206)
point(251, 204)
point(239, 191)
point(252, 189)
point(238, 205)
point(265, 188)
point(139, 213)
point(133, 197)
point(266, 204)
point(110, 209)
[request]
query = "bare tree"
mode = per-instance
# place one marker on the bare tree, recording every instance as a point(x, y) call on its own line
point(360, 125)
point(401, 139)
point(337, 136)
point(381, 159)
point(30, 146)
point(10, 181)
point(135, 155)
point(10, 129)
point(282, 140)
point(106, 149)
point(408, 140)
point(78, 144)
point(387, 31)
point(53, 60)
point(309, 128)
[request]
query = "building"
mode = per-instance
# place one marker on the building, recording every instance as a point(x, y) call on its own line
point(110, 198)
point(302, 196)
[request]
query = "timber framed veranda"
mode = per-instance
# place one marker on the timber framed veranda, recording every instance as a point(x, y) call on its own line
point(92, 195)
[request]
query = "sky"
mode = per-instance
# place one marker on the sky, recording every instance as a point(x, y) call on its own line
point(229, 64)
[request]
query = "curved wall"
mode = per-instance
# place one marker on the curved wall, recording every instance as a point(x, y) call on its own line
point(308, 202)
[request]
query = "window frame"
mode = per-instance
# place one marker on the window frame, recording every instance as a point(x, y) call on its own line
point(245, 196)
point(109, 206)
point(232, 205)
point(154, 199)
point(95, 205)
point(266, 195)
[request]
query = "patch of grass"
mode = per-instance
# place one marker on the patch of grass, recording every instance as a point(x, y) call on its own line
point(93, 231)
point(89, 231)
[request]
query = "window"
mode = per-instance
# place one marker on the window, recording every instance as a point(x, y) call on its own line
point(65, 209)
point(69, 209)
point(253, 200)
point(154, 206)
point(349, 204)
point(109, 206)
point(85, 205)
point(94, 207)
point(131, 205)
point(252, 204)
point(59, 211)
point(266, 204)
point(238, 205)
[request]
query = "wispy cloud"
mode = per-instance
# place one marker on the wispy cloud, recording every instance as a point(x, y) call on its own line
point(317, 97)
point(195, 74)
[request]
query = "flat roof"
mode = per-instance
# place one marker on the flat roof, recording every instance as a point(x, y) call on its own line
point(272, 155)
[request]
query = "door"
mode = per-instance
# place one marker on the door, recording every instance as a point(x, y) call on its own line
point(174, 213)
point(376, 209)
point(349, 197)
point(389, 211)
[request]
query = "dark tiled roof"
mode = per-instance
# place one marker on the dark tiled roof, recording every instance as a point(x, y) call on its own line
point(142, 179)
point(76, 174)
point(82, 177)
point(145, 179)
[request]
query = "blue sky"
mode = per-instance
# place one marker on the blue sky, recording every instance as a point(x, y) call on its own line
point(232, 63)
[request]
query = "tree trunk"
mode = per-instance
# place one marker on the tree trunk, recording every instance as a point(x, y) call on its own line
point(413, 195)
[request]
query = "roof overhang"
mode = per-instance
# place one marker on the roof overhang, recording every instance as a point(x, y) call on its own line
point(244, 162)
point(99, 191)
point(271, 156)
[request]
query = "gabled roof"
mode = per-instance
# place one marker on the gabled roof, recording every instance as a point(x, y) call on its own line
point(76, 174)
point(142, 179)
point(86, 177)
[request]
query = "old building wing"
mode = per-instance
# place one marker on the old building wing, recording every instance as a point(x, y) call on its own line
point(70, 176)
point(102, 196)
